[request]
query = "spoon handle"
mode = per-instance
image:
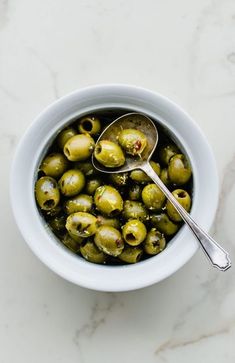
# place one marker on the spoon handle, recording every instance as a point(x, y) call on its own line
point(215, 253)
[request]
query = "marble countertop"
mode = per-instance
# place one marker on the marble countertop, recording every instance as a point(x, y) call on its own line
point(183, 49)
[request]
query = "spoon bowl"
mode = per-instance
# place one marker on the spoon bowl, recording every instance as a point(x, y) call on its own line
point(136, 121)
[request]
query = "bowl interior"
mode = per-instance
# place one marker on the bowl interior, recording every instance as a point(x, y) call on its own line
point(110, 114)
point(33, 147)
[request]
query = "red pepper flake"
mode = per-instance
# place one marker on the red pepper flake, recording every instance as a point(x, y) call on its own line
point(119, 242)
point(138, 145)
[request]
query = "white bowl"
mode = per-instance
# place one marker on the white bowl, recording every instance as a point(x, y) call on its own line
point(41, 240)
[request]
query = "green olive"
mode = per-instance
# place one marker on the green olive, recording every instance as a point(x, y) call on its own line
point(134, 192)
point(79, 147)
point(104, 221)
point(72, 182)
point(139, 176)
point(166, 152)
point(134, 232)
point(57, 223)
point(132, 141)
point(108, 200)
point(165, 177)
point(153, 197)
point(179, 170)
point(92, 185)
point(79, 203)
point(134, 210)
point(163, 223)
point(86, 167)
point(71, 244)
point(89, 125)
point(109, 154)
point(81, 224)
point(91, 253)
point(47, 193)
point(119, 179)
point(54, 165)
point(155, 242)
point(64, 136)
point(131, 254)
point(184, 199)
point(109, 240)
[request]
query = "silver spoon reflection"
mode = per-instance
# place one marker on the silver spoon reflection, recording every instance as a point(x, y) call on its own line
point(216, 254)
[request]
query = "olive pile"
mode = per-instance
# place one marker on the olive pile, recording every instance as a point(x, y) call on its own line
point(116, 218)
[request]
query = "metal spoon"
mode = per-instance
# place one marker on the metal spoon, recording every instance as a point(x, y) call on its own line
point(216, 254)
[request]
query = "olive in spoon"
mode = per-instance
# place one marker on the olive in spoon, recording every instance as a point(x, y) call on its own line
point(215, 253)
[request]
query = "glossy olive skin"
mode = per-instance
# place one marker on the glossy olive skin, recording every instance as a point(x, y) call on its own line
point(139, 176)
point(79, 203)
point(120, 179)
point(64, 136)
point(105, 221)
point(153, 197)
point(75, 237)
point(109, 154)
point(91, 253)
point(155, 242)
point(92, 185)
point(72, 182)
point(131, 254)
point(71, 244)
point(86, 167)
point(132, 141)
point(57, 223)
point(134, 232)
point(89, 125)
point(79, 147)
point(165, 177)
point(81, 224)
point(108, 200)
point(47, 193)
point(109, 240)
point(166, 152)
point(134, 192)
point(184, 199)
point(179, 170)
point(54, 165)
point(163, 223)
point(134, 210)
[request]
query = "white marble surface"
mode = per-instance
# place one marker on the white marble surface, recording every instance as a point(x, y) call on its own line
point(184, 49)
